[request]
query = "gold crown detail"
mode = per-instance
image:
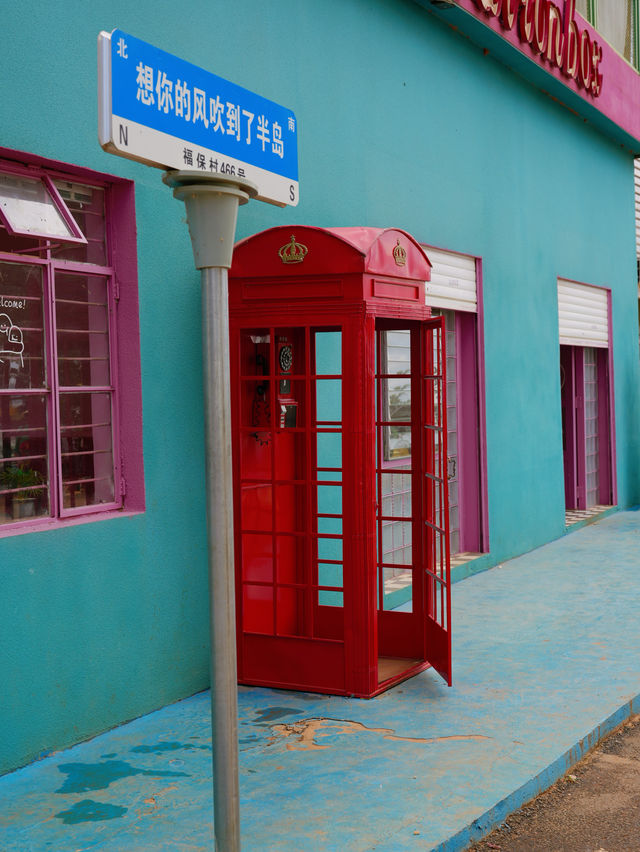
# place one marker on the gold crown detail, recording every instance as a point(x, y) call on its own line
point(292, 252)
point(399, 254)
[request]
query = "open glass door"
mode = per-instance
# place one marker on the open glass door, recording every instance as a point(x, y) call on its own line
point(435, 499)
point(411, 493)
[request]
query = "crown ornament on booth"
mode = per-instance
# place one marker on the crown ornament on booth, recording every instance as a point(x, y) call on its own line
point(292, 252)
point(399, 254)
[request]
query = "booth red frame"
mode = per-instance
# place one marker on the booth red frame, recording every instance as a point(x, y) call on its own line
point(356, 280)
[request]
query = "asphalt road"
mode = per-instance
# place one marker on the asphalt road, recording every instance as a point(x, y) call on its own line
point(593, 808)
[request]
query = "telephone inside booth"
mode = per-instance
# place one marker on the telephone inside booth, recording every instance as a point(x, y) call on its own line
point(287, 405)
point(339, 450)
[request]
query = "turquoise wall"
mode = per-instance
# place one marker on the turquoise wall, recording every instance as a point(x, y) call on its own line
point(402, 122)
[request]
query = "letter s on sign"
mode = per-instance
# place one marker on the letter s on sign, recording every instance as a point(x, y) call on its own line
point(292, 192)
point(584, 75)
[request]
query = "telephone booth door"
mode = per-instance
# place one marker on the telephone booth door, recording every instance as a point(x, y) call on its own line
point(289, 517)
point(339, 445)
point(413, 583)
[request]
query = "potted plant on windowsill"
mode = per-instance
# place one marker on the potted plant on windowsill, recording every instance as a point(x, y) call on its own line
point(24, 478)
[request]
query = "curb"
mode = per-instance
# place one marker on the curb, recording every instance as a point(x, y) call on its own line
point(490, 819)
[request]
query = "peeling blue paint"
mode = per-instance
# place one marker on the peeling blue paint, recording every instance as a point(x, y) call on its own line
point(98, 776)
point(158, 748)
point(89, 811)
point(273, 713)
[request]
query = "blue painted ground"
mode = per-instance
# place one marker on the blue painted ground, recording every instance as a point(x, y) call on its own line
point(546, 656)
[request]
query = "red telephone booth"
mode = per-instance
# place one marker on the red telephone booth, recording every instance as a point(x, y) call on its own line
point(340, 487)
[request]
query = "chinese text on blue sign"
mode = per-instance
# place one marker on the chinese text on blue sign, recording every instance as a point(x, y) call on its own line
point(163, 111)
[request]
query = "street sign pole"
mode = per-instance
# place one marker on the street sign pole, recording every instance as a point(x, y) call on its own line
point(161, 110)
point(212, 206)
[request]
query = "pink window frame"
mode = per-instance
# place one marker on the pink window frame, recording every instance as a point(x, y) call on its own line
point(575, 477)
point(124, 335)
point(473, 507)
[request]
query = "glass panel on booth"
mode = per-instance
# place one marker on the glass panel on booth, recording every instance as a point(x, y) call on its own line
point(329, 549)
point(290, 454)
point(397, 589)
point(291, 507)
point(290, 559)
point(330, 574)
point(328, 400)
point(255, 352)
point(397, 542)
point(328, 353)
point(256, 506)
point(290, 612)
point(257, 557)
point(329, 499)
point(257, 609)
point(329, 449)
point(290, 364)
point(396, 493)
point(396, 352)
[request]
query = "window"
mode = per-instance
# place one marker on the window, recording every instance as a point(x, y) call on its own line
point(617, 22)
point(587, 423)
point(453, 294)
point(63, 392)
point(585, 428)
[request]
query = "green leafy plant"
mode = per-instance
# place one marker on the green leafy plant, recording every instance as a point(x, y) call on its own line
point(17, 476)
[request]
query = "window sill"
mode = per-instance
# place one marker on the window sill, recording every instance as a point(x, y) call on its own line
point(45, 524)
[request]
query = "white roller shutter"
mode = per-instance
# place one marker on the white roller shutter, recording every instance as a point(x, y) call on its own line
point(453, 281)
point(583, 315)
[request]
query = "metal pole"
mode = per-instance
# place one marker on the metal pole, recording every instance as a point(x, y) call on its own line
point(211, 202)
point(224, 680)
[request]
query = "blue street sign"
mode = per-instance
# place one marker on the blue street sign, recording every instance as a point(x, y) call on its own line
point(165, 112)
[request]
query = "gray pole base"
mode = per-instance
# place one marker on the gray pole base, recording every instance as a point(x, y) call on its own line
point(212, 206)
point(212, 209)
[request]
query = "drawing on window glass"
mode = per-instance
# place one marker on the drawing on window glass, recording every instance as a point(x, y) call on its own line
point(11, 341)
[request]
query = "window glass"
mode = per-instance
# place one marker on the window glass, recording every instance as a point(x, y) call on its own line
point(86, 449)
point(615, 22)
point(86, 205)
point(29, 207)
point(59, 450)
point(24, 244)
point(82, 330)
point(24, 491)
point(582, 7)
point(22, 363)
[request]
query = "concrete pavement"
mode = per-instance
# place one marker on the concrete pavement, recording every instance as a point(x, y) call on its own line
point(546, 660)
